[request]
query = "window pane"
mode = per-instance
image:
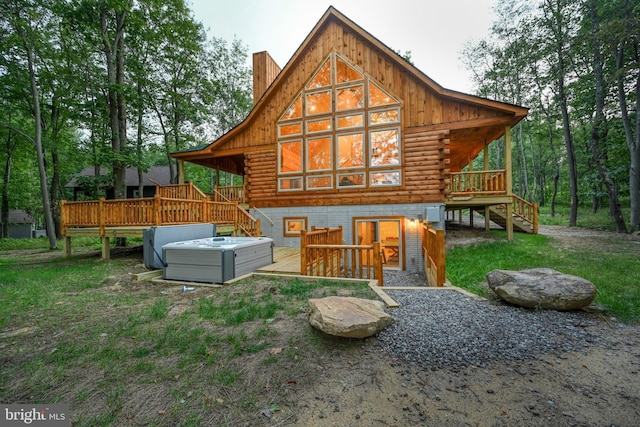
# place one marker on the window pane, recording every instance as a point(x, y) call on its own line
point(356, 120)
point(289, 130)
point(378, 97)
point(351, 180)
point(291, 156)
point(345, 72)
point(385, 178)
point(350, 151)
point(319, 126)
point(325, 181)
point(385, 148)
point(322, 77)
point(386, 116)
point(318, 103)
point(319, 154)
point(350, 98)
point(294, 111)
point(290, 183)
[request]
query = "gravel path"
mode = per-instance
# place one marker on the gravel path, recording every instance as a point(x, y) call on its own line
point(444, 328)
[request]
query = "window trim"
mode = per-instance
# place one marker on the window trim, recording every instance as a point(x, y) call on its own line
point(318, 136)
point(310, 188)
point(285, 225)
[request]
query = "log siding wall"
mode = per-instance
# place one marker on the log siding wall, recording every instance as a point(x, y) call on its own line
point(424, 154)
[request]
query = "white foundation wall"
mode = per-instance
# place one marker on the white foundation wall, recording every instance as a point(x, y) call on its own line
point(272, 223)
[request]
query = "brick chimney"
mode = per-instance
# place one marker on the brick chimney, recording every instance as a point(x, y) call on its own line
point(265, 71)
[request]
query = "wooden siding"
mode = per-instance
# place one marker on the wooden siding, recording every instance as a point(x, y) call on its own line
point(427, 110)
point(425, 178)
point(265, 71)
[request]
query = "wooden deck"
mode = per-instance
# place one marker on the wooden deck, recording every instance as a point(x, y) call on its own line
point(285, 261)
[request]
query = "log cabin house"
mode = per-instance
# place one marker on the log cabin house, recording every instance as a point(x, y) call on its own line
point(350, 134)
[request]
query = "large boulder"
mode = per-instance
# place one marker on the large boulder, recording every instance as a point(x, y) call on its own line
point(348, 316)
point(542, 288)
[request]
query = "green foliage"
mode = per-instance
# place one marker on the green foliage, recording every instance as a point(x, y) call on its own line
point(541, 54)
point(600, 263)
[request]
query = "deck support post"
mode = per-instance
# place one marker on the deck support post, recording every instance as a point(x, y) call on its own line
point(509, 214)
point(67, 246)
point(487, 218)
point(509, 180)
point(106, 248)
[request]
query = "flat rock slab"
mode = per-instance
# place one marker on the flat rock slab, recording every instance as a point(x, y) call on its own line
point(542, 288)
point(348, 316)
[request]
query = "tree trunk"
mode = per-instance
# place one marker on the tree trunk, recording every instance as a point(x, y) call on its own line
point(598, 125)
point(568, 141)
point(113, 100)
point(4, 208)
point(46, 205)
point(632, 135)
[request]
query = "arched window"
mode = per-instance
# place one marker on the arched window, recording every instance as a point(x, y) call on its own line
point(342, 130)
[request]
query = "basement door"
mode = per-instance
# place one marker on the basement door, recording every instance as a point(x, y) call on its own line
point(385, 231)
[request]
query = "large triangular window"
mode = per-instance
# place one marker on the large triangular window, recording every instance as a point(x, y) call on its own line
point(341, 131)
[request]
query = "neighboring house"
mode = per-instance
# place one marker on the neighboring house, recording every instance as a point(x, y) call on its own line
point(351, 134)
point(155, 175)
point(21, 224)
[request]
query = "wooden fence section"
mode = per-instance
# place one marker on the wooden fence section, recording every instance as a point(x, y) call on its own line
point(323, 254)
point(491, 182)
point(156, 210)
point(433, 249)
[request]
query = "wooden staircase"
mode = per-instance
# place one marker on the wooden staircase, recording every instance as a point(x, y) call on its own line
point(524, 214)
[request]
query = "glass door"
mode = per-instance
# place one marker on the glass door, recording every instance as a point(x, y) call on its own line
point(385, 231)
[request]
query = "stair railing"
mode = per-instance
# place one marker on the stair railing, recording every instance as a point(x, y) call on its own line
point(526, 210)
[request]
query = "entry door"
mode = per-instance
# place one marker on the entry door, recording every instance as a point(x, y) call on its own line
point(385, 231)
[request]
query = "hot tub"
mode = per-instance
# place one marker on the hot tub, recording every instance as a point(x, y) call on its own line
point(215, 259)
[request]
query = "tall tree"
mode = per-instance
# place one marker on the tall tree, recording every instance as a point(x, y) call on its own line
point(598, 123)
point(28, 21)
point(622, 35)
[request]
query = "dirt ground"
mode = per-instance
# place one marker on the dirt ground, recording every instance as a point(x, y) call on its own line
point(597, 387)
point(357, 384)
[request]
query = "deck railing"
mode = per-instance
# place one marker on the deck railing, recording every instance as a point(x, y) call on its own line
point(157, 210)
point(229, 193)
point(323, 254)
point(433, 249)
point(180, 191)
point(491, 182)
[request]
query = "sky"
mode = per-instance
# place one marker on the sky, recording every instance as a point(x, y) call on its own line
point(434, 31)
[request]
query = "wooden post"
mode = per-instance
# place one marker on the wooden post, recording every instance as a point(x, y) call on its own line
point(67, 246)
point(100, 216)
point(157, 220)
point(509, 179)
point(486, 156)
point(440, 258)
point(106, 248)
point(303, 252)
point(487, 218)
point(180, 171)
point(377, 263)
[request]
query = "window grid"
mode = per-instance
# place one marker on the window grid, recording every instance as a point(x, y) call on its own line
point(337, 101)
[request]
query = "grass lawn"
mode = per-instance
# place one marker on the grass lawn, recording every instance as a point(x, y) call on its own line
point(123, 352)
point(84, 332)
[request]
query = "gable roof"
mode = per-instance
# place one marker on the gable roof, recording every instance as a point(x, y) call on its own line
point(155, 175)
point(510, 114)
